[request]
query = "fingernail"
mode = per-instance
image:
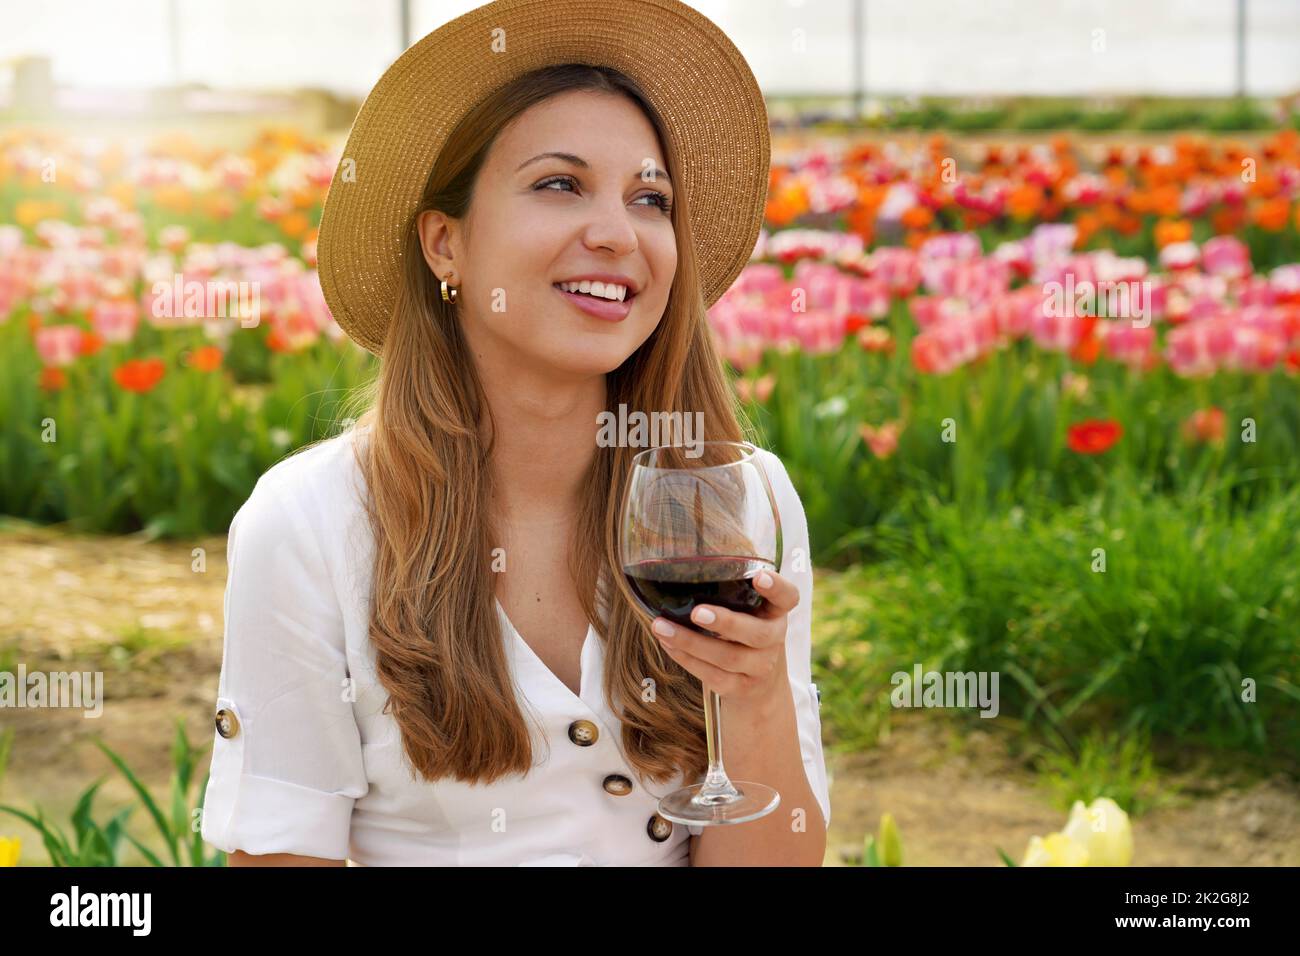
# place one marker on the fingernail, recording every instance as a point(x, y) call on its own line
point(764, 580)
point(663, 628)
point(702, 615)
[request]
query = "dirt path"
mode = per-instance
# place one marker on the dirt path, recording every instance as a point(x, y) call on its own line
point(142, 614)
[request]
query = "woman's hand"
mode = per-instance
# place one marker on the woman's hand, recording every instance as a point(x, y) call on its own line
point(745, 663)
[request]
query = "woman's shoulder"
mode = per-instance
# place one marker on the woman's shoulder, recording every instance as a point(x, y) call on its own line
point(789, 502)
point(322, 481)
point(777, 474)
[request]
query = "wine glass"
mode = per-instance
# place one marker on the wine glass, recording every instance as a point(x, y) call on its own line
point(698, 523)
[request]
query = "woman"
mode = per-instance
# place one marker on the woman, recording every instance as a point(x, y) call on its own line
point(431, 656)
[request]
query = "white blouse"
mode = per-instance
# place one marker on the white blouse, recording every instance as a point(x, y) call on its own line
point(305, 761)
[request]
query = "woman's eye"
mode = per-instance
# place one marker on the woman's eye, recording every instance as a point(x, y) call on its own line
point(547, 183)
point(657, 199)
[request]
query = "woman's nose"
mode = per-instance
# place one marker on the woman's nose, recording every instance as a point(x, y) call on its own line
point(611, 227)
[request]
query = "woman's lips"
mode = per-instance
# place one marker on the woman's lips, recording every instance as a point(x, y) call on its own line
point(606, 309)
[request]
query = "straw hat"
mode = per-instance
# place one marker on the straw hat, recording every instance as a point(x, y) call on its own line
point(687, 67)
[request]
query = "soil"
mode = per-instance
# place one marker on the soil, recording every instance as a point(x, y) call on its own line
point(149, 615)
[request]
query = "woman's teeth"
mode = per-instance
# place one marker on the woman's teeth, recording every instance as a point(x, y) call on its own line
point(601, 290)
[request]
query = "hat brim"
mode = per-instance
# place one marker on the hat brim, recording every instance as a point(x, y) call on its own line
point(688, 68)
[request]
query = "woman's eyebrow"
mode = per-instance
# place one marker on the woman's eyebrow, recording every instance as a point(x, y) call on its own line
point(656, 172)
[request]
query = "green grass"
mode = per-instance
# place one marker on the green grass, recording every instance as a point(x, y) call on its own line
point(1197, 600)
point(1107, 764)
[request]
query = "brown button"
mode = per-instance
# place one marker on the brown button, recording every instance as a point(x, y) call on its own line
point(618, 785)
point(227, 723)
point(659, 828)
point(583, 733)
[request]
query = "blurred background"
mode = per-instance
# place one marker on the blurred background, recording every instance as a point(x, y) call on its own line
point(1023, 322)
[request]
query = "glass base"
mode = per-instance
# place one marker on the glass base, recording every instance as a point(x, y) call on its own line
point(754, 800)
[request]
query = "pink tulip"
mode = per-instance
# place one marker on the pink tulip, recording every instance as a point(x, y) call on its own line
point(1180, 255)
point(899, 268)
point(1051, 240)
point(58, 345)
point(882, 439)
point(173, 238)
point(1057, 333)
point(1011, 312)
point(115, 320)
point(1254, 349)
point(76, 291)
point(951, 245)
point(1285, 281)
point(1200, 348)
point(1128, 343)
point(1225, 256)
point(758, 279)
point(743, 353)
point(1016, 255)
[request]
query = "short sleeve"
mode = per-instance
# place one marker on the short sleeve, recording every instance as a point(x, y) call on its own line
point(286, 761)
point(796, 564)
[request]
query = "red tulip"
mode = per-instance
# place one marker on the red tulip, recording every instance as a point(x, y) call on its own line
point(1094, 436)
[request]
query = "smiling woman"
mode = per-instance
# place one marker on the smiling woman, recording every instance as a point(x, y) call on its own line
point(451, 561)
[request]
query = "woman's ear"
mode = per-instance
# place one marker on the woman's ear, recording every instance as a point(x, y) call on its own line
point(435, 229)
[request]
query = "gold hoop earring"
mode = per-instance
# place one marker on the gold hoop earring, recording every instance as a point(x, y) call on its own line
point(445, 297)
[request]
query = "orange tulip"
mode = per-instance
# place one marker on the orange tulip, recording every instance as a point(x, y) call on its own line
point(1025, 201)
point(1271, 214)
point(1205, 425)
point(294, 225)
point(1087, 224)
point(53, 378)
point(1169, 231)
point(1228, 220)
point(207, 358)
point(139, 375)
point(91, 342)
point(1167, 200)
point(917, 217)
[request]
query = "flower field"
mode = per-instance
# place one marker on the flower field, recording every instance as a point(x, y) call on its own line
point(1041, 402)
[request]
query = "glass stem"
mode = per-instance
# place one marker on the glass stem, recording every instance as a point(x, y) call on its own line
point(717, 788)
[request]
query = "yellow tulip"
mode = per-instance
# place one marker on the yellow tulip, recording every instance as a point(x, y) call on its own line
point(891, 844)
point(1057, 850)
point(10, 848)
point(1103, 828)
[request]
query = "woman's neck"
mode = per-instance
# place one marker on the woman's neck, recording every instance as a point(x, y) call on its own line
point(545, 441)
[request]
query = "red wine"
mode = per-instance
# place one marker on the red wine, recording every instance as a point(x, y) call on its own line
point(674, 586)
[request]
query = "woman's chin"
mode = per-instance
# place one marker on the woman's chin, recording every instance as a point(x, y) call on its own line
point(589, 358)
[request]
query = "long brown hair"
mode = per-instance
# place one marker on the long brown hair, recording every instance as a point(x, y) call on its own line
point(433, 616)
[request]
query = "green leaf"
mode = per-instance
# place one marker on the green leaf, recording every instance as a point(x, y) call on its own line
point(871, 857)
point(146, 798)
